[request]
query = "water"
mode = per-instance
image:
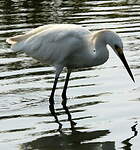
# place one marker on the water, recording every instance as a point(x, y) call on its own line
point(102, 100)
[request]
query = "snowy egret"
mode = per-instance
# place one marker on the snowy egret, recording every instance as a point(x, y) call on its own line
point(71, 46)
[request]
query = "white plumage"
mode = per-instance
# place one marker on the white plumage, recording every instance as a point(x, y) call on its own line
point(52, 44)
point(68, 45)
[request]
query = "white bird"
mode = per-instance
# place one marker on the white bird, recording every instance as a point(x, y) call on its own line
point(71, 46)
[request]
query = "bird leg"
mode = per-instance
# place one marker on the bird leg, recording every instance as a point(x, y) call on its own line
point(64, 97)
point(51, 106)
point(64, 101)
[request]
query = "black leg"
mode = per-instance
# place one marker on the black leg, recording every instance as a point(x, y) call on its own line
point(64, 101)
point(64, 97)
point(51, 106)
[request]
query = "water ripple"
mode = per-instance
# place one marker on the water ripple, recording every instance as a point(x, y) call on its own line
point(25, 84)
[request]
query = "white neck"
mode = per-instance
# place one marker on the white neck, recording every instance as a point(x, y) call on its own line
point(102, 53)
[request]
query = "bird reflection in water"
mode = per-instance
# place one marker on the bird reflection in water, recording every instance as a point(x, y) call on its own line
point(126, 142)
point(77, 140)
point(73, 141)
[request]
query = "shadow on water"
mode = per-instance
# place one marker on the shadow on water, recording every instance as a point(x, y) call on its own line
point(74, 141)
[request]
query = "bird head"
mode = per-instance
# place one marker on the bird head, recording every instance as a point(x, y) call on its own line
point(117, 45)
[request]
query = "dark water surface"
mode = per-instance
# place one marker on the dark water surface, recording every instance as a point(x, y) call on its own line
point(103, 100)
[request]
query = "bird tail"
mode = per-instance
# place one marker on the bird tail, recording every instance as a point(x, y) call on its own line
point(15, 42)
point(15, 39)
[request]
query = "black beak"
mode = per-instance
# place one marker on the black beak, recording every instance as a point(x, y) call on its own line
point(122, 57)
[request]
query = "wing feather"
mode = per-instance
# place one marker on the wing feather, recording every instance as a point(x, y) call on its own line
point(50, 43)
